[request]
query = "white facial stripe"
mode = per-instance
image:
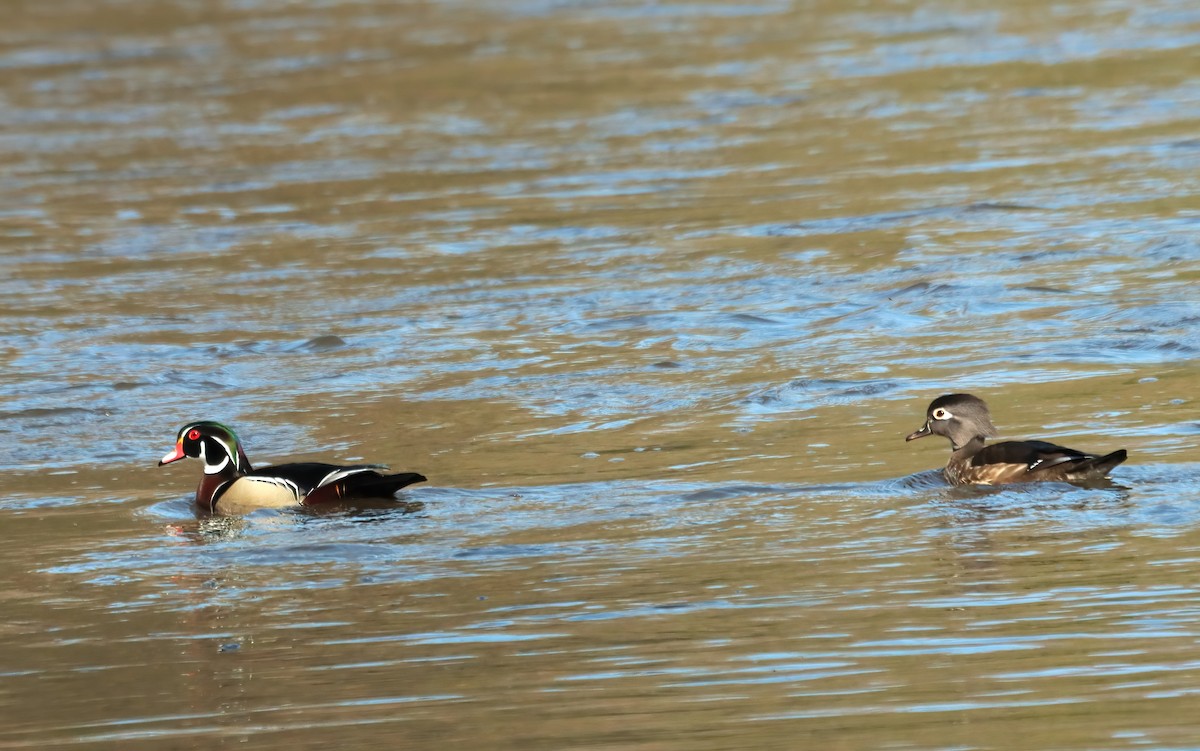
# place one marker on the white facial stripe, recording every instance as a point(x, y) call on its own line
point(209, 468)
point(941, 414)
point(228, 451)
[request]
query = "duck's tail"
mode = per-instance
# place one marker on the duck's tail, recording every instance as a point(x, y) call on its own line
point(1100, 466)
point(370, 485)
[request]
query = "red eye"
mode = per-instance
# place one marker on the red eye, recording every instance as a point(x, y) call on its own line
point(194, 434)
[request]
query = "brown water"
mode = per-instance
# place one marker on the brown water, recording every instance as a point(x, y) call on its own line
point(651, 292)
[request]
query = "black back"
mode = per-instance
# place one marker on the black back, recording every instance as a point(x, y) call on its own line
point(306, 475)
point(1028, 453)
point(370, 483)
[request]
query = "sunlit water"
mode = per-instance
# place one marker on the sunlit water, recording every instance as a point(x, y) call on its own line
point(651, 293)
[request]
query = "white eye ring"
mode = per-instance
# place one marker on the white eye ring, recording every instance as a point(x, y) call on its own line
point(941, 414)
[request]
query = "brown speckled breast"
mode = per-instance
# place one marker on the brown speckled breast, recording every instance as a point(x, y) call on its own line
point(961, 472)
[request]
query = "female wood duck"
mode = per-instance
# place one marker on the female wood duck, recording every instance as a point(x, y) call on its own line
point(231, 485)
point(964, 419)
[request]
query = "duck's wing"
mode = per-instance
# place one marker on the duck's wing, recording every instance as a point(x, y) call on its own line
point(1049, 458)
point(316, 482)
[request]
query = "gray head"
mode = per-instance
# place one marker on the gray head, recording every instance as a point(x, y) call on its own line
point(959, 417)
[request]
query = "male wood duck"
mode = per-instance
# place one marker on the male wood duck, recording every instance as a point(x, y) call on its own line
point(231, 485)
point(964, 419)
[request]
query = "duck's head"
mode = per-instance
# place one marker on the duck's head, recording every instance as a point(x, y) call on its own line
point(959, 417)
point(213, 443)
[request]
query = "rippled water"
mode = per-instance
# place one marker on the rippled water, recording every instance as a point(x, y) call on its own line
point(651, 292)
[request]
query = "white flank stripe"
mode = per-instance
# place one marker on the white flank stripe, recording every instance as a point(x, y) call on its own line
point(338, 474)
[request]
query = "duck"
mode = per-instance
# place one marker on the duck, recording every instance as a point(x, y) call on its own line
point(230, 485)
point(965, 420)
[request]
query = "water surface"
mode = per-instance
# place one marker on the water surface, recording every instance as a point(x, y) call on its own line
point(651, 292)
